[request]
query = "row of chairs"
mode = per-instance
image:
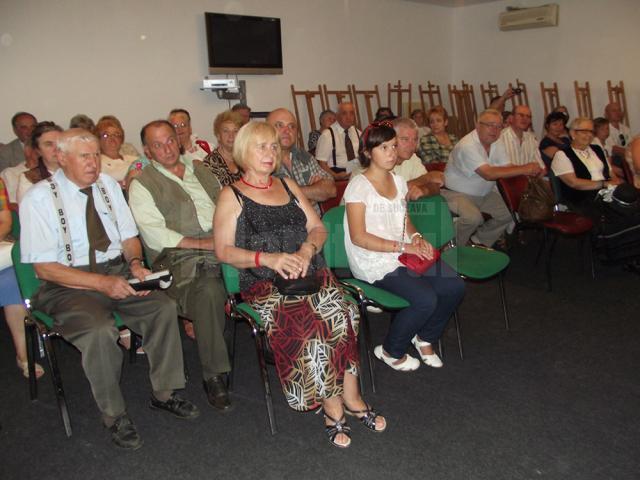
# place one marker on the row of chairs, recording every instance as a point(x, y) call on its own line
point(430, 215)
point(462, 101)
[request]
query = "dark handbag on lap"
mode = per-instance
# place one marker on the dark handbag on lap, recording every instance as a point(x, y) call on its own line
point(297, 286)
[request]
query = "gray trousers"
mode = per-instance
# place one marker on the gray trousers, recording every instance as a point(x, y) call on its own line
point(469, 210)
point(203, 304)
point(85, 318)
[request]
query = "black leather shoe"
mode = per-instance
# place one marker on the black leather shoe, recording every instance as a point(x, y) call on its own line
point(217, 394)
point(177, 406)
point(124, 433)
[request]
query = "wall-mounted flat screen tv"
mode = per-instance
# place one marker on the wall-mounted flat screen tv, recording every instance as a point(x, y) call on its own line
point(243, 44)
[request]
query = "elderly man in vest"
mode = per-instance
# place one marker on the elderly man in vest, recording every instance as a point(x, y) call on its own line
point(81, 238)
point(173, 202)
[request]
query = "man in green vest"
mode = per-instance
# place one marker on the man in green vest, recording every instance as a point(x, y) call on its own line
point(173, 202)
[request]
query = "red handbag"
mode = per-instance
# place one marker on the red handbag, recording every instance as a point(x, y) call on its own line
point(412, 261)
point(416, 264)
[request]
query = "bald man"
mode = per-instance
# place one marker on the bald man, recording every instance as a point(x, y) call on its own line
point(337, 149)
point(619, 133)
point(315, 183)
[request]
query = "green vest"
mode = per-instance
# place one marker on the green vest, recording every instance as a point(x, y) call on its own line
point(174, 203)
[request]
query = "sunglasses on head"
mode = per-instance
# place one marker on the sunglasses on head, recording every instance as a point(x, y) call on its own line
point(623, 141)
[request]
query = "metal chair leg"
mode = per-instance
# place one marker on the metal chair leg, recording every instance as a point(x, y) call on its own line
point(441, 348)
point(458, 334)
point(503, 299)
point(232, 353)
point(592, 254)
point(365, 347)
point(31, 337)
point(259, 341)
point(548, 262)
point(134, 344)
point(57, 382)
point(543, 245)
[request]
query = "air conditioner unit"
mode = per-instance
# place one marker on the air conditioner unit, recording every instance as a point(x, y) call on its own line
point(543, 16)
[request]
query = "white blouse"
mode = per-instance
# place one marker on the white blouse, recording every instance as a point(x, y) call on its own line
point(383, 218)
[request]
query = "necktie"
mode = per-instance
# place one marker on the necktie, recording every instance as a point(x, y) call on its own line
point(348, 146)
point(98, 238)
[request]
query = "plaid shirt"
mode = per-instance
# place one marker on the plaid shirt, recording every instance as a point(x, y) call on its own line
point(303, 167)
point(4, 200)
point(430, 150)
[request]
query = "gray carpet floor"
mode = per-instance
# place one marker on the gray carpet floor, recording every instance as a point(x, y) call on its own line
point(557, 397)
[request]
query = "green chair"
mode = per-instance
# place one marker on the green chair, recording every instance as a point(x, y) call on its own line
point(239, 310)
point(38, 334)
point(15, 225)
point(432, 218)
point(364, 293)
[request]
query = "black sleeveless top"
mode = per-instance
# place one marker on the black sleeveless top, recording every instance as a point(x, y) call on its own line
point(270, 229)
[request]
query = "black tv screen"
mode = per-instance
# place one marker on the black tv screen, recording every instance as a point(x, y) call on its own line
point(243, 44)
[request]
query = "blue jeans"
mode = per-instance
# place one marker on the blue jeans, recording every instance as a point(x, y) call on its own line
point(433, 296)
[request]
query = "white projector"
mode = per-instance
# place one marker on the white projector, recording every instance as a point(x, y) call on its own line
point(219, 83)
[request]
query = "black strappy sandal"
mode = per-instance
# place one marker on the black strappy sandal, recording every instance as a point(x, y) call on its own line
point(368, 417)
point(339, 426)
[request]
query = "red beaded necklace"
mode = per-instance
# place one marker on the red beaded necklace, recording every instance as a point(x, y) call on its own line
point(257, 186)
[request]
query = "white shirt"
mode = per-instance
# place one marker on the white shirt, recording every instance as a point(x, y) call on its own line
point(116, 168)
point(41, 239)
point(465, 158)
point(615, 133)
point(324, 149)
point(606, 148)
point(11, 176)
point(521, 153)
point(561, 164)
point(383, 218)
point(24, 185)
point(410, 169)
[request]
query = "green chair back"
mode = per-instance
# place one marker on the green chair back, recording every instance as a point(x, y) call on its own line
point(15, 225)
point(231, 279)
point(28, 284)
point(334, 252)
point(432, 218)
point(26, 276)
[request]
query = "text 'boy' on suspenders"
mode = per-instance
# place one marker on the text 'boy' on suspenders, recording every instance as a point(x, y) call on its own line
point(62, 217)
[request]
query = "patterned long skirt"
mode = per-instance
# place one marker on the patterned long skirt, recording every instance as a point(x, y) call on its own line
point(313, 339)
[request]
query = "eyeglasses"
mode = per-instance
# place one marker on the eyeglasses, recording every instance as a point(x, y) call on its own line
point(495, 126)
point(623, 141)
point(181, 125)
point(112, 135)
point(584, 130)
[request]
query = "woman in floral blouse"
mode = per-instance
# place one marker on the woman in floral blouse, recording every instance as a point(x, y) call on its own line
point(220, 161)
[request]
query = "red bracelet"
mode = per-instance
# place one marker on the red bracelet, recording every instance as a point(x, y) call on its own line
point(256, 259)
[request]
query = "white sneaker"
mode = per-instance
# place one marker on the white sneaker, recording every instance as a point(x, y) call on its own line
point(432, 360)
point(408, 365)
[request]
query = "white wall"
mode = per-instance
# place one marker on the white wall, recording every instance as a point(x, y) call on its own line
point(596, 40)
point(62, 57)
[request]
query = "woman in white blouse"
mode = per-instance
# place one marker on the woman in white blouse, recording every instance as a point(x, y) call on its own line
point(377, 230)
point(583, 169)
point(111, 136)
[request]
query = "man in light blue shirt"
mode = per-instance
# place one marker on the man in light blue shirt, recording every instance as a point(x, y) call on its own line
point(80, 236)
